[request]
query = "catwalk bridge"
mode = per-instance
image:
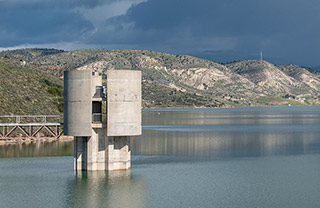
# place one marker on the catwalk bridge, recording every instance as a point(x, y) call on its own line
point(30, 126)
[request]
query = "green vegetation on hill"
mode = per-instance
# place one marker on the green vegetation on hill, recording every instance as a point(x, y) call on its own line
point(167, 80)
point(161, 96)
point(29, 54)
point(27, 90)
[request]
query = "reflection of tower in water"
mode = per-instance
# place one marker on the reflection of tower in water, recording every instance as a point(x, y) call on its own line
point(115, 188)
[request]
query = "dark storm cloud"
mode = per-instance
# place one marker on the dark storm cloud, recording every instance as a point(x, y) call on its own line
point(227, 17)
point(284, 29)
point(66, 4)
point(42, 26)
point(45, 21)
point(39, 22)
point(222, 30)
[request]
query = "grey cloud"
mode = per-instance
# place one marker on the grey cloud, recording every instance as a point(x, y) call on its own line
point(286, 30)
point(52, 4)
point(41, 26)
point(283, 29)
point(228, 17)
point(52, 21)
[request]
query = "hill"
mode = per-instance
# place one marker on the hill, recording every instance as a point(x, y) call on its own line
point(29, 54)
point(28, 90)
point(185, 81)
point(316, 68)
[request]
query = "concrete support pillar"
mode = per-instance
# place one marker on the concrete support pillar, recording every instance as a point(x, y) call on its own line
point(99, 152)
point(119, 154)
point(80, 153)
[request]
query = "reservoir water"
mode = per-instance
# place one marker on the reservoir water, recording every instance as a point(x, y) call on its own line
point(241, 157)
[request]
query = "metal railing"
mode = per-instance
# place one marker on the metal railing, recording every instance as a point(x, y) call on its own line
point(96, 117)
point(31, 119)
point(99, 117)
point(30, 126)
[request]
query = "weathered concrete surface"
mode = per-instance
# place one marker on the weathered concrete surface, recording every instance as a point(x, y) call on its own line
point(96, 80)
point(119, 154)
point(123, 103)
point(99, 152)
point(80, 153)
point(98, 146)
point(77, 103)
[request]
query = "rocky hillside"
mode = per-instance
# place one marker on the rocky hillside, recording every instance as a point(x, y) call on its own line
point(179, 80)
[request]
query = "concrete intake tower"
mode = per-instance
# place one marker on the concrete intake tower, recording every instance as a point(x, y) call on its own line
point(102, 120)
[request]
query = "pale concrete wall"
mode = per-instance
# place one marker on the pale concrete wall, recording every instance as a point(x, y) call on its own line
point(77, 103)
point(102, 148)
point(119, 153)
point(80, 153)
point(96, 80)
point(123, 103)
point(99, 152)
point(90, 152)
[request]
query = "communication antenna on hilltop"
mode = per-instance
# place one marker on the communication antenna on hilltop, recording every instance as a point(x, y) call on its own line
point(261, 57)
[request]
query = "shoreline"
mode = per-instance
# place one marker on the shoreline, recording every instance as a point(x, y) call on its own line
point(15, 140)
point(231, 106)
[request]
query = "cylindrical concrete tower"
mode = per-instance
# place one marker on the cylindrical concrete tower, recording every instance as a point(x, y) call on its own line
point(77, 99)
point(99, 145)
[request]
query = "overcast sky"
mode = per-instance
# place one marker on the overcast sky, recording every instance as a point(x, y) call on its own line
point(287, 31)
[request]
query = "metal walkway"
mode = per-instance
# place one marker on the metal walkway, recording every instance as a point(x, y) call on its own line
point(30, 126)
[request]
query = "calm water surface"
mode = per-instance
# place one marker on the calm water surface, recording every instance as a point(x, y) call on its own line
point(242, 157)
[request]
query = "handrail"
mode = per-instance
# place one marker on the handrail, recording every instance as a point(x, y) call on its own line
point(96, 117)
point(28, 126)
point(42, 117)
point(11, 116)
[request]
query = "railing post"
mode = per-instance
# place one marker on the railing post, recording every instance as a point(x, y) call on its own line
point(33, 122)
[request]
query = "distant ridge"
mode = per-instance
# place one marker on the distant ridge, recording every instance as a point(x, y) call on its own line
point(186, 81)
point(316, 68)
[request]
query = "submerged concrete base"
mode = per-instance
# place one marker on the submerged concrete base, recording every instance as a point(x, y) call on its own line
point(100, 152)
